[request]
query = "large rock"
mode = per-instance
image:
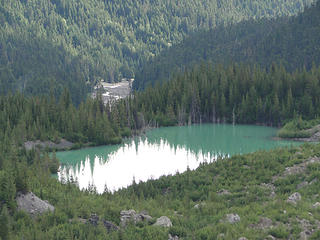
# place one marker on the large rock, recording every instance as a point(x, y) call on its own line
point(232, 218)
point(294, 198)
point(199, 205)
point(163, 221)
point(33, 205)
point(170, 237)
point(127, 216)
point(316, 205)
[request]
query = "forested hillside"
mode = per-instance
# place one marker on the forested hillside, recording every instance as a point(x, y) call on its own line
point(233, 94)
point(295, 42)
point(52, 44)
point(256, 187)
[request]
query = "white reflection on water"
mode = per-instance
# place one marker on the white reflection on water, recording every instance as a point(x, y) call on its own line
point(140, 161)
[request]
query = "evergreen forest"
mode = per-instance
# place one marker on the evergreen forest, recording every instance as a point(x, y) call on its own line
point(239, 62)
point(55, 44)
point(291, 41)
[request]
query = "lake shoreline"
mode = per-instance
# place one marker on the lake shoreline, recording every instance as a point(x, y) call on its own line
point(166, 149)
point(58, 147)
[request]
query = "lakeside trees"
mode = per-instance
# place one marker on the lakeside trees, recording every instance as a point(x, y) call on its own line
point(207, 93)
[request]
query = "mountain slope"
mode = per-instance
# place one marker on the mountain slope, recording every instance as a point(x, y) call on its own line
point(52, 44)
point(293, 41)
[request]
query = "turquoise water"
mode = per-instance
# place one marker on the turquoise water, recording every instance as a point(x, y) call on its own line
point(162, 151)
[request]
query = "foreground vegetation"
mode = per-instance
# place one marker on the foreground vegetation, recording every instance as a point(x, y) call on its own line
point(252, 186)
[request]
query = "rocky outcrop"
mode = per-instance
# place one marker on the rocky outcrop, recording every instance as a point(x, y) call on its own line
point(297, 169)
point(304, 235)
point(294, 198)
point(94, 221)
point(63, 144)
point(307, 227)
point(170, 237)
point(33, 205)
point(232, 218)
point(163, 221)
point(264, 223)
point(127, 216)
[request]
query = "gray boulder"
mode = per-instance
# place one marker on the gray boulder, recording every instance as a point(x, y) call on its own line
point(294, 198)
point(243, 238)
point(232, 218)
point(33, 205)
point(127, 216)
point(170, 237)
point(316, 205)
point(199, 205)
point(163, 221)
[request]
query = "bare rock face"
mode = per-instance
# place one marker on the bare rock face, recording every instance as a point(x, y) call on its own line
point(163, 221)
point(294, 198)
point(127, 216)
point(232, 218)
point(33, 205)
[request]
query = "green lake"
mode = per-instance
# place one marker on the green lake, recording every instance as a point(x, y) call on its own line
point(162, 151)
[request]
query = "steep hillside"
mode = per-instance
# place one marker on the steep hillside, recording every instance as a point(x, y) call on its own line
point(293, 41)
point(52, 44)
